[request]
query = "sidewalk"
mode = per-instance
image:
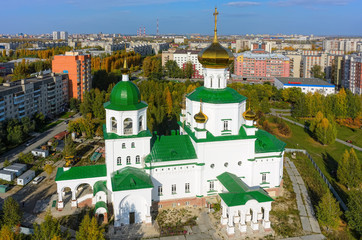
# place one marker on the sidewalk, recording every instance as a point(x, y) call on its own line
point(306, 212)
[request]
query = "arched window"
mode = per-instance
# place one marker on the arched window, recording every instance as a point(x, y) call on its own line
point(123, 145)
point(128, 160)
point(138, 159)
point(119, 161)
point(133, 145)
point(113, 124)
point(140, 123)
point(127, 126)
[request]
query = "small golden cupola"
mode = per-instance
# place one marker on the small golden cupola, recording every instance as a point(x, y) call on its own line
point(215, 56)
point(249, 114)
point(125, 69)
point(200, 117)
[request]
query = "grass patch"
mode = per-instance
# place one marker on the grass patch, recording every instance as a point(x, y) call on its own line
point(51, 125)
point(326, 157)
point(354, 134)
point(284, 214)
point(67, 115)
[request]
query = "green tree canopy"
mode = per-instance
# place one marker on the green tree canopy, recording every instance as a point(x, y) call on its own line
point(12, 213)
point(49, 229)
point(328, 211)
point(89, 230)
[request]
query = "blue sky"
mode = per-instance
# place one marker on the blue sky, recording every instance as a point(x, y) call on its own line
point(319, 17)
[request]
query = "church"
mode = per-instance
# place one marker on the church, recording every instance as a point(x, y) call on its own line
point(217, 152)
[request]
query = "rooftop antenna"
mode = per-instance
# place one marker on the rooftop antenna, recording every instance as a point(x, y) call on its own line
point(157, 27)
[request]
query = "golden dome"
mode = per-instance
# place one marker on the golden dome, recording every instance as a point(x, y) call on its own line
point(249, 115)
point(200, 117)
point(215, 56)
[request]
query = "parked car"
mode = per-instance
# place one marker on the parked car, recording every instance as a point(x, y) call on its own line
point(349, 141)
point(66, 121)
point(38, 179)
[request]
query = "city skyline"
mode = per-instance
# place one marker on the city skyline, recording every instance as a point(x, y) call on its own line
point(319, 17)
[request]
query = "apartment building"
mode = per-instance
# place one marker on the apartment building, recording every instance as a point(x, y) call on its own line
point(167, 56)
point(260, 64)
point(47, 94)
point(295, 64)
point(347, 45)
point(182, 57)
point(64, 35)
point(78, 67)
point(323, 59)
point(352, 73)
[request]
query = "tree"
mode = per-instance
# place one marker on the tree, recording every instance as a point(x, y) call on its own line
point(49, 229)
point(324, 129)
point(189, 70)
point(74, 104)
point(349, 169)
point(69, 147)
point(353, 214)
point(26, 158)
point(89, 230)
point(48, 169)
point(7, 163)
point(12, 213)
point(6, 233)
point(316, 72)
point(328, 212)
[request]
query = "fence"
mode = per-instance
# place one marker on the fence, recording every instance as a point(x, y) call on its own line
point(334, 192)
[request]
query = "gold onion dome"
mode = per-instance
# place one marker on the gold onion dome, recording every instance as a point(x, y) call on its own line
point(200, 117)
point(249, 115)
point(215, 56)
point(125, 69)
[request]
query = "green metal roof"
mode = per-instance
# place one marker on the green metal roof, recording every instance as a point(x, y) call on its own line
point(125, 96)
point(130, 178)
point(267, 142)
point(107, 135)
point(239, 193)
point(171, 148)
point(211, 138)
point(92, 171)
point(99, 186)
point(100, 204)
point(226, 95)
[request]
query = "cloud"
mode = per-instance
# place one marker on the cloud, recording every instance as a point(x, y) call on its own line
point(310, 3)
point(242, 4)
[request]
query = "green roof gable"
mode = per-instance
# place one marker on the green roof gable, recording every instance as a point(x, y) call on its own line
point(239, 193)
point(111, 135)
point(92, 171)
point(267, 142)
point(226, 95)
point(100, 204)
point(130, 178)
point(171, 148)
point(99, 186)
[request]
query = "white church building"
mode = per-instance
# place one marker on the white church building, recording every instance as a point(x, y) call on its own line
point(217, 152)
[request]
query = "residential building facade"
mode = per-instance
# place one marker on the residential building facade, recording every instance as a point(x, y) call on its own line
point(78, 67)
point(182, 57)
point(47, 94)
point(305, 84)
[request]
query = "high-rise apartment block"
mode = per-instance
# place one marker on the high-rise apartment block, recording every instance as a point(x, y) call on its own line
point(347, 45)
point(260, 64)
point(78, 66)
point(47, 94)
point(60, 35)
point(352, 73)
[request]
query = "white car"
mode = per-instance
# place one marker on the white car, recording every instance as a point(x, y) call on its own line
point(38, 179)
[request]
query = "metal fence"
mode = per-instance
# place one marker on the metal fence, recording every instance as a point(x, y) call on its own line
point(334, 192)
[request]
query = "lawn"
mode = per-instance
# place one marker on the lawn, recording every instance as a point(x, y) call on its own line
point(67, 115)
point(327, 157)
point(50, 125)
point(346, 133)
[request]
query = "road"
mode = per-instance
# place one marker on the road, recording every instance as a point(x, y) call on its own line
point(12, 155)
point(273, 112)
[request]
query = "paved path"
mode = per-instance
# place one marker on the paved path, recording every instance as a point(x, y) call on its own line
point(306, 212)
point(303, 126)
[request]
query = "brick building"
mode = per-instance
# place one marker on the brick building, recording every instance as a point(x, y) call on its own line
point(78, 67)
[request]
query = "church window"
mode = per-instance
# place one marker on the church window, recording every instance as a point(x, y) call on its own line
point(239, 163)
point(140, 123)
point(212, 185)
point(212, 165)
point(128, 160)
point(226, 164)
point(123, 145)
point(187, 203)
point(119, 161)
point(127, 126)
point(173, 188)
point(263, 177)
point(226, 125)
point(114, 124)
point(160, 193)
point(187, 187)
point(174, 205)
point(137, 159)
point(133, 145)
point(160, 206)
